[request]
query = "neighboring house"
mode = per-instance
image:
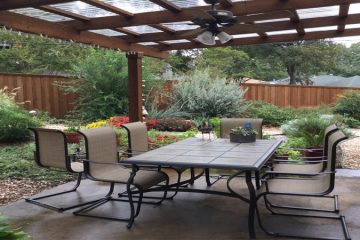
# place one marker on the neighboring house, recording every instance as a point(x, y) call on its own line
point(250, 80)
point(328, 80)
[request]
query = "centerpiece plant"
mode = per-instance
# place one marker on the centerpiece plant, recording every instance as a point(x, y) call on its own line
point(243, 134)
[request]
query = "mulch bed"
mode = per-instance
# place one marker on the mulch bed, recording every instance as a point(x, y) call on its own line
point(12, 190)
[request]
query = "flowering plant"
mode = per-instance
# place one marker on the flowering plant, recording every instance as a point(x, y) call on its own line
point(118, 121)
point(96, 124)
point(174, 124)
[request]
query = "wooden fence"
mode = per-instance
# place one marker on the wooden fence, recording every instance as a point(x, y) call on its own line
point(40, 92)
point(294, 96)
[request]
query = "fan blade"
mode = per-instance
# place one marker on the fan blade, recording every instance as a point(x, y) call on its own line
point(265, 16)
point(193, 32)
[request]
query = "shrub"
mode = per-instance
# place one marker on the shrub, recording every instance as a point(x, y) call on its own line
point(9, 234)
point(14, 120)
point(351, 122)
point(271, 114)
point(348, 104)
point(202, 95)
point(174, 124)
point(310, 129)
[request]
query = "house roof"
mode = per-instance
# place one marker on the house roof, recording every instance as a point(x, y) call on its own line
point(157, 26)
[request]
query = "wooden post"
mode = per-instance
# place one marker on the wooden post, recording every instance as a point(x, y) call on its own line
point(135, 85)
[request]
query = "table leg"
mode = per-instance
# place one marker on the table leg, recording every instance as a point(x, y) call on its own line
point(252, 205)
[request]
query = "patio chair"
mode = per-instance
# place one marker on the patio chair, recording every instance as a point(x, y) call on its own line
point(138, 143)
point(226, 124)
point(313, 185)
point(51, 152)
point(102, 164)
point(305, 164)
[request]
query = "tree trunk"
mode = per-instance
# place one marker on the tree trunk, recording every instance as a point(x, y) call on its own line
point(292, 74)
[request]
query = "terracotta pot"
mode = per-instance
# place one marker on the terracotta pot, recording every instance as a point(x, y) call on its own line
point(73, 137)
point(315, 154)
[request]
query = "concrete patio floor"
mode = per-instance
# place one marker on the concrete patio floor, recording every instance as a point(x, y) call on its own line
point(188, 216)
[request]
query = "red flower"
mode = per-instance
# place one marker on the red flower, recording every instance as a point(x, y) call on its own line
point(159, 138)
point(150, 141)
point(166, 137)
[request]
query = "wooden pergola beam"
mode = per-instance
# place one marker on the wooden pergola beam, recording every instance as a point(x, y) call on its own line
point(64, 13)
point(239, 9)
point(126, 31)
point(343, 13)
point(163, 28)
point(15, 4)
point(270, 39)
point(237, 29)
point(167, 5)
point(56, 30)
point(108, 7)
point(296, 20)
point(226, 3)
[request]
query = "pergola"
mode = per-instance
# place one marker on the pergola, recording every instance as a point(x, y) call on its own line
point(154, 27)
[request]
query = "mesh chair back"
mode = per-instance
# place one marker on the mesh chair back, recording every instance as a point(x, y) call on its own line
point(137, 137)
point(51, 148)
point(328, 180)
point(101, 148)
point(328, 131)
point(226, 124)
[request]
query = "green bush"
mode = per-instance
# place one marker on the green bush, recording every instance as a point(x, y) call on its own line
point(271, 114)
point(7, 233)
point(348, 104)
point(14, 120)
point(101, 83)
point(351, 122)
point(203, 95)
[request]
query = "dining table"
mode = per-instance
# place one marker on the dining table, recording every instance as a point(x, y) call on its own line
point(245, 159)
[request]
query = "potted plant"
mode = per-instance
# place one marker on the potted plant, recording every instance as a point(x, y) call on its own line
point(72, 135)
point(243, 134)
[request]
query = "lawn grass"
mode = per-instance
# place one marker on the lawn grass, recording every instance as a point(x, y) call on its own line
point(17, 162)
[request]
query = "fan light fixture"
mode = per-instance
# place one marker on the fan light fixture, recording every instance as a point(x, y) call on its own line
point(208, 37)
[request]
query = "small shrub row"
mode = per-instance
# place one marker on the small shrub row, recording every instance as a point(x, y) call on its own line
point(348, 104)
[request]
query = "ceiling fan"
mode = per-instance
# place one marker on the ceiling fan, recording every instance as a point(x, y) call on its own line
point(211, 23)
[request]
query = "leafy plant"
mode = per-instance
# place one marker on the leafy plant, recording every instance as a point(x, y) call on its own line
point(348, 104)
point(7, 233)
point(203, 95)
point(351, 122)
point(311, 129)
point(14, 121)
point(244, 131)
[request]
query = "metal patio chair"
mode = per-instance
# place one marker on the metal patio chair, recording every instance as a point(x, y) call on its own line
point(138, 143)
point(313, 185)
point(102, 164)
point(226, 124)
point(305, 164)
point(51, 152)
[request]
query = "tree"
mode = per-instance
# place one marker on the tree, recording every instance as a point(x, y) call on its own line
point(348, 61)
point(34, 54)
point(305, 58)
point(181, 61)
point(226, 61)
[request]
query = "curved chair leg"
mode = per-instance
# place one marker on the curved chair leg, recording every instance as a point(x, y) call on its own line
point(60, 209)
point(270, 206)
point(277, 234)
point(84, 211)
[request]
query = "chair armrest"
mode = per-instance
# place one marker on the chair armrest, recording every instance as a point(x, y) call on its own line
point(297, 161)
point(299, 174)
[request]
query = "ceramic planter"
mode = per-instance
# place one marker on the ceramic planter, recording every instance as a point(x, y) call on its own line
point(241, 138)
